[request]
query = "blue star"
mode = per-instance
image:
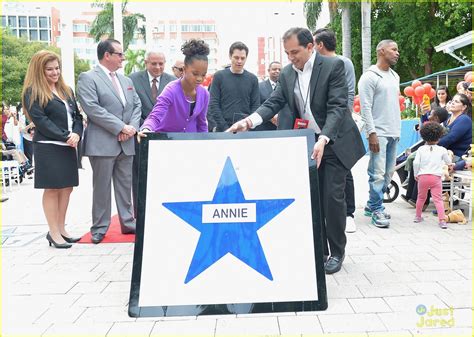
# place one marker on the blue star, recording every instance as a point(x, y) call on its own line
point(238, 238)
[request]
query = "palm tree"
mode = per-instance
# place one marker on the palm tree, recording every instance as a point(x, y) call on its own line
point(312, 10)
point(366, 9)
point(103, 24)
point(135, 61)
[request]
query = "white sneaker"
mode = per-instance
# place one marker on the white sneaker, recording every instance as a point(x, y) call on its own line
point(350, 225)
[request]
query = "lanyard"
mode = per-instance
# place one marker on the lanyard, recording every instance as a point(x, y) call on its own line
point(305, 101)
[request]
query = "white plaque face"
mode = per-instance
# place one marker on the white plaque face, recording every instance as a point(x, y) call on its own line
point(228, 221)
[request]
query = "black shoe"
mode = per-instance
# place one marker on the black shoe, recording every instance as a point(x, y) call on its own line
point(71, 240)
point(128, 230)
point(97, 238)
point(57, 245)
point(334, 264)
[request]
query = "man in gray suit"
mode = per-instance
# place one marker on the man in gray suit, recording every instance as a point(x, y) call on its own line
point(149, 84)
point(112, 107)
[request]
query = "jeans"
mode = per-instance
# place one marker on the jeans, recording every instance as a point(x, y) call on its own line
point(380, 171)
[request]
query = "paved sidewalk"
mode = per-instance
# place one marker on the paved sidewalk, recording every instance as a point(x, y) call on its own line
point(387, 275)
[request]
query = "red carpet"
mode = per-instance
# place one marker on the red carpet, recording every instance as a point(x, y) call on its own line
point(113, 235)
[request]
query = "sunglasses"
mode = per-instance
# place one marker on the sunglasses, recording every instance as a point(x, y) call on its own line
point(119, 54)
point(180, 69)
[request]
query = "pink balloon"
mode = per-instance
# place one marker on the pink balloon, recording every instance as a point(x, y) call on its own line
point(419, 91)
point(409, 91)
point(468, 77)
point(401, 99)
point(432, 93)
point(427, 87)
point(357, 108)
point(402, 107)
point(416, 83)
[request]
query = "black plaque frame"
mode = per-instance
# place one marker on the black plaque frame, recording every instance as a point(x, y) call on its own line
point(226, 308)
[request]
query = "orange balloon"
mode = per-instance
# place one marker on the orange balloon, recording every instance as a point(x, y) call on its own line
point(357, 108)
point(409, 91)
point(416, 83)
point(401, 99)
point(417, 99)
point(427, 87)
point(402, 107)
point(357, 100)
point(468, 77)
point(419, 91)
point(432, 93)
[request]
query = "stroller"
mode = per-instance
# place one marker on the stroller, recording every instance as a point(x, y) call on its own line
point(393, 190)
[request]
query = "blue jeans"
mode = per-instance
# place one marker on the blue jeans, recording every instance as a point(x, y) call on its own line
point(380, 171)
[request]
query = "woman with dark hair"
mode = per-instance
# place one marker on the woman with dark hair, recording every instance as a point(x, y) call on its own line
point(182, 106)
point(458, 138)
point(442, 97)
point(50, 104)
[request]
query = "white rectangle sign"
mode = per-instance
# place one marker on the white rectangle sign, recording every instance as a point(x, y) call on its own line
point(229, 213)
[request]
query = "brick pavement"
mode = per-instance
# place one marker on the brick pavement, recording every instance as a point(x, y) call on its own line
point(84, 290)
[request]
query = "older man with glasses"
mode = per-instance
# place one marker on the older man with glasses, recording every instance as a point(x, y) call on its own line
point(178, 68)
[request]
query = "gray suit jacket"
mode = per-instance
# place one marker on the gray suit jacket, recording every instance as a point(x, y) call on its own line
point(142, 85)
point(106, 114)
point(328, 100)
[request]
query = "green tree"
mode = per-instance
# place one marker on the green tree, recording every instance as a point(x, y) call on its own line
point(135, 61)
point(103, 24)
point(417, 26)
point(16, 55)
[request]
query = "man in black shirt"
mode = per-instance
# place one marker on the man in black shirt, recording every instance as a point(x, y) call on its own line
point(234, 91)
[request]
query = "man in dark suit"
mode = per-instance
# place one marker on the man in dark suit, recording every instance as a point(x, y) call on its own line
point(315, 89)
point(266, 88)
point(149, 84)
point(112, 107)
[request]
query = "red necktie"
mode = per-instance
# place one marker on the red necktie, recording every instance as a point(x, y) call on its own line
point(154, 89)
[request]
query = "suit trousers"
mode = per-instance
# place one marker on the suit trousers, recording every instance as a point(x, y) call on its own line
point(105, 170)
point(350, 197)
point(332, 182)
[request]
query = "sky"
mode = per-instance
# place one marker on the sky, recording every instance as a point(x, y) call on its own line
point(235, 20)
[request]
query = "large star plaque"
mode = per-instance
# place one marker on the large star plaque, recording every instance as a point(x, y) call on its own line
point(228, 225)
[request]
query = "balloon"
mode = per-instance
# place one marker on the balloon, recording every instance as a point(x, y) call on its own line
point(468, 77)
point(432, 93)
point(419, 91)
point(357, 100)
point(417, 100)
point(416, 83)
point(427, 87)
point(401, 99)
point(409, 91)
point(402, 107)
point(357, 108)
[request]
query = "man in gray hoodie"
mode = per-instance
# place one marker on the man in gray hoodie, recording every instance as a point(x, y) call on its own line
point(379, 89)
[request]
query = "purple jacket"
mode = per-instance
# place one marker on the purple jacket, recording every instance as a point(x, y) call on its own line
point(171, 111)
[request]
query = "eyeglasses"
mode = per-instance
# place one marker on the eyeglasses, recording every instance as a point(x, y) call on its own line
point(180, 69)
point(119, 54)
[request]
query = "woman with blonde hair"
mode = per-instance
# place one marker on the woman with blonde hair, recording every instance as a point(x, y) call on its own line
point(50, 104)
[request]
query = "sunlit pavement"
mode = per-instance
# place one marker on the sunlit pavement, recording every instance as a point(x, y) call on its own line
point(388, 278)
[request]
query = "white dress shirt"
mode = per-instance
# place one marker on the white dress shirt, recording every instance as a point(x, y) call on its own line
point(107, 72)
point(150, 80)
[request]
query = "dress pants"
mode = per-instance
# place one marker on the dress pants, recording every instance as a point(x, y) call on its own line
point(332, 182)
point(105, 170)
point(350, 197)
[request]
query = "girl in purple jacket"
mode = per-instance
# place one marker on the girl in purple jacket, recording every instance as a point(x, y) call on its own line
point(182, 106)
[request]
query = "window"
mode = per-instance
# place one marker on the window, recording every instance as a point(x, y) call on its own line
point(33, 35)
point(80, 28)
point(43, 21)
point(22, 22)
point(33, 22)
point(4, 21)
point(14, 32)
point(173, 28)
point(24, 33)
point(209, 28)
point(185, 28)
point(44, 35)
point(12, 21)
